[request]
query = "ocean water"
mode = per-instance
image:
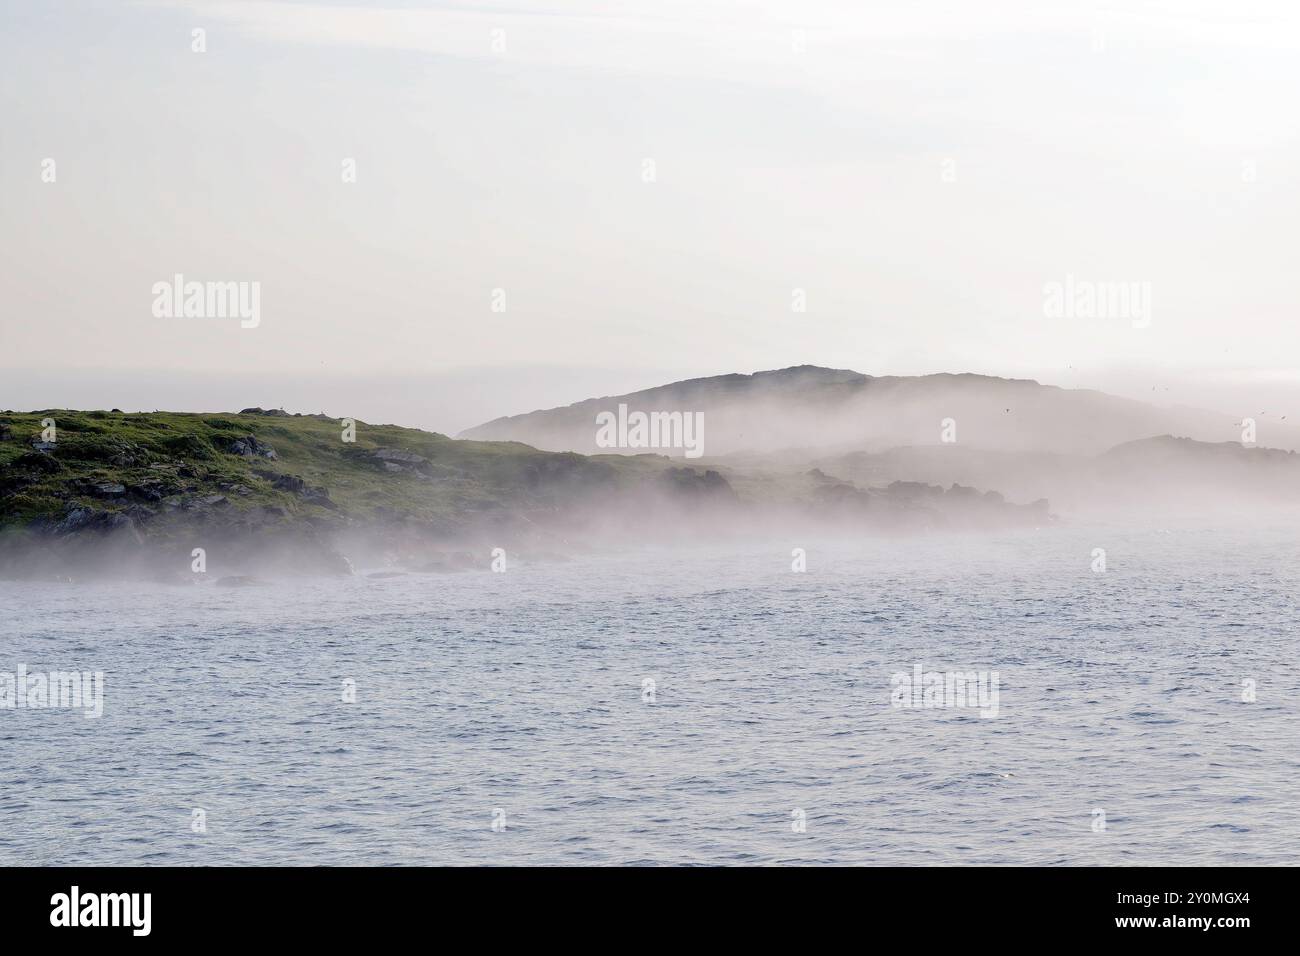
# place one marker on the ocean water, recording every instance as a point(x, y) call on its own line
point(520, 698)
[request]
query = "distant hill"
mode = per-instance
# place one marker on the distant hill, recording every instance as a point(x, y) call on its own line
point(811, 410)
point(1159, 474)
point(1229, 468)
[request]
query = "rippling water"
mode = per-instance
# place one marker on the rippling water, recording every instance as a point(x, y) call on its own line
point(523, 692)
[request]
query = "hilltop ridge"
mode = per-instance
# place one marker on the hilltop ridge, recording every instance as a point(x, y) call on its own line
point(810, 409)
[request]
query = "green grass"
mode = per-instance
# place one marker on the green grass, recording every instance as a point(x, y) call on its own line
point(186, 455)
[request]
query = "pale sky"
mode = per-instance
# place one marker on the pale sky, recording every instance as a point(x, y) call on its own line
point(919, 169)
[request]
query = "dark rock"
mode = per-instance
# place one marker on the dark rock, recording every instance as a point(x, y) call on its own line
point(298, 486)
point(689, 482)
point(37, 462)
point(139, 513)
point(148, 490)
point(75, 520)
point(913, 489)
point(319, 497)
point(124, 454)
point(80, 519)
point(843, 496)
point(13, 481)
point(116, 521)
point(248, 447)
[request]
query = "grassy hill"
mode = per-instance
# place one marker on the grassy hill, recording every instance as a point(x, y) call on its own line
point(267, 489)
point(269, 467)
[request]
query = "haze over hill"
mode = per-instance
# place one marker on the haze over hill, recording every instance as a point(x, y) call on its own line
point(270, 491)
point(818, 409)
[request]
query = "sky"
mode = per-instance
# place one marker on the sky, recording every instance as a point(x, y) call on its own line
point(555, 199)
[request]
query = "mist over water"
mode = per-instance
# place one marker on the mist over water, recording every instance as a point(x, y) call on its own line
point(702, 433)
point(523, 692)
